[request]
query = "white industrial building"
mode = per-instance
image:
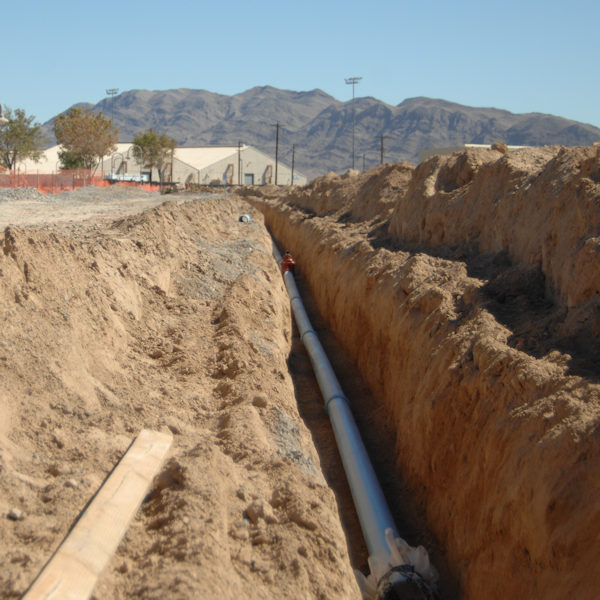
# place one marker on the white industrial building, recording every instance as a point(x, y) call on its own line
point(230, 165)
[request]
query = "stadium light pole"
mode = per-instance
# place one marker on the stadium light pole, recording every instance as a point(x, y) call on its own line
point(112, 92)
point(353, 81)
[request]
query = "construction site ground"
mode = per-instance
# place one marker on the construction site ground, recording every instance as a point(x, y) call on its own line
point(459, 302)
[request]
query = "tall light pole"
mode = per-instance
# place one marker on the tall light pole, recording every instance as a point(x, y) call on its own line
point(112, 92)
point(353, 81)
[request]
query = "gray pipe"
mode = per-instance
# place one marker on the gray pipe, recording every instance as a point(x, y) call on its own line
point(397, 570)
point(371, 507)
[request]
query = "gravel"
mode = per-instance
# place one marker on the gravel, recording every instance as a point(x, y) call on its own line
point(11, 194)
point(113, 192)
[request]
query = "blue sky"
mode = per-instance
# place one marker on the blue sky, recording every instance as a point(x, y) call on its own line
point(522, 56)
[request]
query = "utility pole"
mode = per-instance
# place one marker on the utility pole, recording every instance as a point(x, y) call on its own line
point(239, 163)
point(353, 81)
point(363, 163)
point(112, 92)
point(276, 125)
point(382, 137)
point(293, 157)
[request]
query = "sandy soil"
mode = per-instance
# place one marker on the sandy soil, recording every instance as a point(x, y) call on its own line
point(174, 318)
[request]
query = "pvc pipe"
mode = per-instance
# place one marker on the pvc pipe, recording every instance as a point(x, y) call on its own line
point(393, 563)
point(373, 512)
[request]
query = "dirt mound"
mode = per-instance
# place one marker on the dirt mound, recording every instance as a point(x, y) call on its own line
point(354, 196)
point(536, 209)
point(175, 319)
point(472, 312)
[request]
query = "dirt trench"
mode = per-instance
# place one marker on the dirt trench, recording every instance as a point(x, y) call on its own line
point(472, 353)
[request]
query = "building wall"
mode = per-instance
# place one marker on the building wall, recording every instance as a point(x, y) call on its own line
point(253, 162)
point(122, 165)
point(257, 162)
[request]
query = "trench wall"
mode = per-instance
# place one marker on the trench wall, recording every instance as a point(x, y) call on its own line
point(500, 448)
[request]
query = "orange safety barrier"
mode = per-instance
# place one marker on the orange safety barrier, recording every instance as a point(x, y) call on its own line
point(54, 183)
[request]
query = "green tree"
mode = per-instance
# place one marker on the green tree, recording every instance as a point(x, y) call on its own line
point(152, 150)
point(86, 135)
point(20, 138)
point(70, 160)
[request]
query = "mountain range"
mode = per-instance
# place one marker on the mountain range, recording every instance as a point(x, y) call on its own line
point(320, 127)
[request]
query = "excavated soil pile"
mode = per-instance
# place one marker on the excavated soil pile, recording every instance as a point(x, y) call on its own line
point(466, 290)
point(174, 319)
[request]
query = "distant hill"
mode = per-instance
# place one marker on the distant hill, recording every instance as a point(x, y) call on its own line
point(321, 126)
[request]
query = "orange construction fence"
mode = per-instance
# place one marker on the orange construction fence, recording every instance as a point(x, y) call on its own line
point(54, 183)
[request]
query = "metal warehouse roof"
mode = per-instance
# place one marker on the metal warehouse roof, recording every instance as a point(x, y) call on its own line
point(205, 156)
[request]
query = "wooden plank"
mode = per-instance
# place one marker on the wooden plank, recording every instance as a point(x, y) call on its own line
point(74, 568)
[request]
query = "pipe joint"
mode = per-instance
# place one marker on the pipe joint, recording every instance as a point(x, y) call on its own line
point(335, 397)
point(308, 331)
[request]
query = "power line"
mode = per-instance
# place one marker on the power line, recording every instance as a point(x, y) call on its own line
point(382, 137)
point(276, 125)
point(293, 157)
